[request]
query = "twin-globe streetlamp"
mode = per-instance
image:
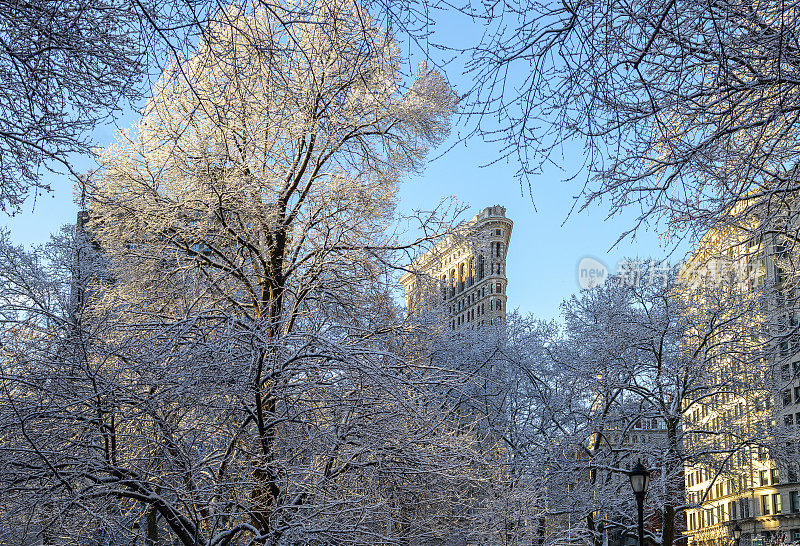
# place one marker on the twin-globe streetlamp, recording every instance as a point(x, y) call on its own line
point(640, 479)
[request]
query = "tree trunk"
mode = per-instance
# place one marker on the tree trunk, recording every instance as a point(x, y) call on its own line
point(668, 527)
point(672, 464)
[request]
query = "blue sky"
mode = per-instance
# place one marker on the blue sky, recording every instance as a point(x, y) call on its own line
point(544, 251)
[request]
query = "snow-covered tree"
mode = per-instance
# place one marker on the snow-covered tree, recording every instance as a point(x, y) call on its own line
point(686, 108)
point(71, 66)
point(244, 374)
point(642, 368)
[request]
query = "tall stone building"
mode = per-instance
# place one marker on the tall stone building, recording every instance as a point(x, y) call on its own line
point(465, 275)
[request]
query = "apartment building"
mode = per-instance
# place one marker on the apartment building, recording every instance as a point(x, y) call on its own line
point(752, 481)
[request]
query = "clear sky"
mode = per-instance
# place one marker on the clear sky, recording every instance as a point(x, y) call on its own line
point(544, 251)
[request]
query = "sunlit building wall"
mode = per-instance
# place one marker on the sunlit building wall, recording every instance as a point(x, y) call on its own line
point(756, 484)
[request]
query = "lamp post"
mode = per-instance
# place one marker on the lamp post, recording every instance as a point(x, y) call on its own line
point(640, 479)
point(737, 533)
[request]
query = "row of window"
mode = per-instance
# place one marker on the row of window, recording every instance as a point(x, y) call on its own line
point(649, 423)
point(730, 511)
point(497, 249)
point(721, 489)
point(769, 504)
point(769, 477)
point(475, 312)
point(731, 486)
point(698, 476)
point(456, 285)
point(469, 299)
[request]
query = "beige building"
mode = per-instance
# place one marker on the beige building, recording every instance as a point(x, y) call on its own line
point(754, 484)
point(464, 275)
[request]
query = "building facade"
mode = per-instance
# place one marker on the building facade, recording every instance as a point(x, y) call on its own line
point(754, 484)
point(464, 275)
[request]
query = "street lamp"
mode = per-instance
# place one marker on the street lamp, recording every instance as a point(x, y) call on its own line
point(737, 533)
point(640, 479)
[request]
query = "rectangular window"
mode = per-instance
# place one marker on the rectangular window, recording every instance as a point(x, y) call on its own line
point(776, 503)
point(787, 398)
point(499, 288)
point(788, 420)
point(796, 394)
point(732, 508)
point(775, 476)
point(765, 505)
point(794, 501)
point(762, 477)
